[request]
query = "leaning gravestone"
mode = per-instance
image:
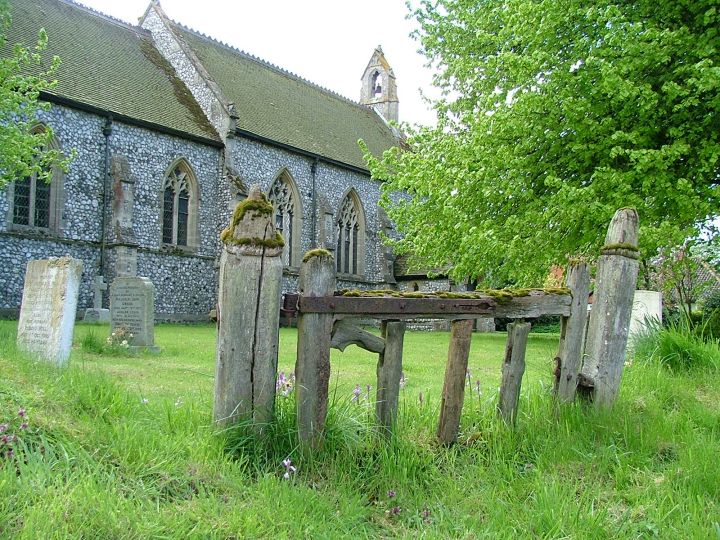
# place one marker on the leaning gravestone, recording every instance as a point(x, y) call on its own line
point(47, 313)
point(132, 312)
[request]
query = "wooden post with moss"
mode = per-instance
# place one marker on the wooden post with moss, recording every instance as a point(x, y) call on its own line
point(609, 326)
point(513, 370)
point(389, 372)
point(312, 367)
point(248, 313)
point(572, 333)
point(453, 394)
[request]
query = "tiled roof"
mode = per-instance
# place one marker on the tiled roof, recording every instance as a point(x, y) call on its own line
point(277, 105)
point(109, 65)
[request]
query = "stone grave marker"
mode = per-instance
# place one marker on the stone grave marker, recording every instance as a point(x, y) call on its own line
point(97, 314)
point(647, 306)
point(132, 311)
point(49, 303)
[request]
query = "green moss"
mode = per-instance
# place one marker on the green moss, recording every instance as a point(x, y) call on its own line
point(316, 253)
point(261, 207)
point(276, 242)
point(620, 245)
point(500, 295)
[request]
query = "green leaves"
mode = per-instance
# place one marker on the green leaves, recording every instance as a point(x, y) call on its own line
point(24, 149)
point(556, 114)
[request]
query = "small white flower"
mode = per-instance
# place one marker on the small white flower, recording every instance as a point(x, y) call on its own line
point(145, 401)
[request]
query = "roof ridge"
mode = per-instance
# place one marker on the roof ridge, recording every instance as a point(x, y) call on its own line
point(272, 66)
point(100, 14)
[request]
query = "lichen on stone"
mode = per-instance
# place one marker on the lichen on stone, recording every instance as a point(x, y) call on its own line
point(257, 203)
point(275, 242)
point(319, 252)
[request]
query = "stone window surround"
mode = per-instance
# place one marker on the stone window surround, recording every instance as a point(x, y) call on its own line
point(193, 207)
point(355, 200)
point(56, 200)
point(297, 217)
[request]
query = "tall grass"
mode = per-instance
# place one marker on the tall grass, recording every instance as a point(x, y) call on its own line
point(100, 460)
point(678, 346)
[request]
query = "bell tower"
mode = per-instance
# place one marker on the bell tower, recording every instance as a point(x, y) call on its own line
point(379, 89)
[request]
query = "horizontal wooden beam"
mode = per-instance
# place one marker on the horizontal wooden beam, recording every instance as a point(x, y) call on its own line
point(532, 305)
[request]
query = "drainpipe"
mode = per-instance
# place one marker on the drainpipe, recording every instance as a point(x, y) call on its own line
point(107, 130)
point(313, 170)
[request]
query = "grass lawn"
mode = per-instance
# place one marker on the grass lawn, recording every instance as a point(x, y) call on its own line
point(122, 446)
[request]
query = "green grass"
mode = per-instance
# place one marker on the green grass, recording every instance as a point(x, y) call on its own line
point(99, 462)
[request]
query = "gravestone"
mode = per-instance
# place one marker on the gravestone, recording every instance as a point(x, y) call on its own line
point(647, 306)
point(97, 314)
point(47, 313)
point(132, 311)
point(485, 324)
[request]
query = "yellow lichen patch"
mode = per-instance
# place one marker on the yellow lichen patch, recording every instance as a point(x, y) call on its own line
point(319, 252)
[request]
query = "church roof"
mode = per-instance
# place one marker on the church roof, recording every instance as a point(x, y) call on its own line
point(109, 65)
point(277, 105)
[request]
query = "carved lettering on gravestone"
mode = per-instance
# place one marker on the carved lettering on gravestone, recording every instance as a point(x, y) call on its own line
point(132, 310)
point(47, 314)
point(123, 199)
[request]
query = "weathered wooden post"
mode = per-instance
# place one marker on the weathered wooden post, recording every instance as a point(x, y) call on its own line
point(312, 367)
point(512, 370)
point(248, 314)
point(612, 307)
point(454, 386)
point(572, 333)
point(389, 371)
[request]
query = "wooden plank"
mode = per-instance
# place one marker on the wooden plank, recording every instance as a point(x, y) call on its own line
point(312, 366)
point(612, 308)
point(389, 371)
point(529, 306)
point(572, 334)
point(345, 333)
point(454, 386)
point(513, 370)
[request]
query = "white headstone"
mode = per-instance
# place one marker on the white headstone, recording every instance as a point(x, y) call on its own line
point(132, 310)
point(647, 306)
point(47, 314)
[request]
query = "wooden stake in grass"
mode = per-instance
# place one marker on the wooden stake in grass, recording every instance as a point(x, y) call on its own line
point(312, 367)
point(389, 371)
point(248, 314)
point(572, 333)
point(609, 326)
point(512, 370)
point(454, 387)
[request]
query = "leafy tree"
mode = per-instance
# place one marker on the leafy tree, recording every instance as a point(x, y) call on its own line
point(24, 151)
point(556, 114)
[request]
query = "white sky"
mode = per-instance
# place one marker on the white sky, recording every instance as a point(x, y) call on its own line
point(328, 42)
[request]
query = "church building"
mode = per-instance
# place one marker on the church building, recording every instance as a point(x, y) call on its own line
point(170, 128)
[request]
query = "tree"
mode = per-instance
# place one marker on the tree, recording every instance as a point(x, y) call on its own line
point(556, 114)
point(24, 151)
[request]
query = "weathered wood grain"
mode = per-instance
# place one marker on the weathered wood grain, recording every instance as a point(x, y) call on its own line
point(389, 371)
point(572, 333)
point(453, 393)
point(312, 367)
point(611, 312)
point(345, 333)
point(512, 370)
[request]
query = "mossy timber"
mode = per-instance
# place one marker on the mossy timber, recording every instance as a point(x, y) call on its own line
point(500, 295)
point(319, 252)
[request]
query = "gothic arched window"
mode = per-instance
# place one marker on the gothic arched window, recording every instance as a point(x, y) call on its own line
point(350, 233)
point(179, 216)
point(36, 203)
point(287, 215)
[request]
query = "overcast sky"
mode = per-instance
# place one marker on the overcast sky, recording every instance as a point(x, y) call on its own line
point(328, 42)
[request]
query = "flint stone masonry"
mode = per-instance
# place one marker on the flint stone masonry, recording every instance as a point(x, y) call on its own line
point(132, 309)
point(47, 315)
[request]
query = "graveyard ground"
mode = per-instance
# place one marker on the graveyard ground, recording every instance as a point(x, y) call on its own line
point(121, 446)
